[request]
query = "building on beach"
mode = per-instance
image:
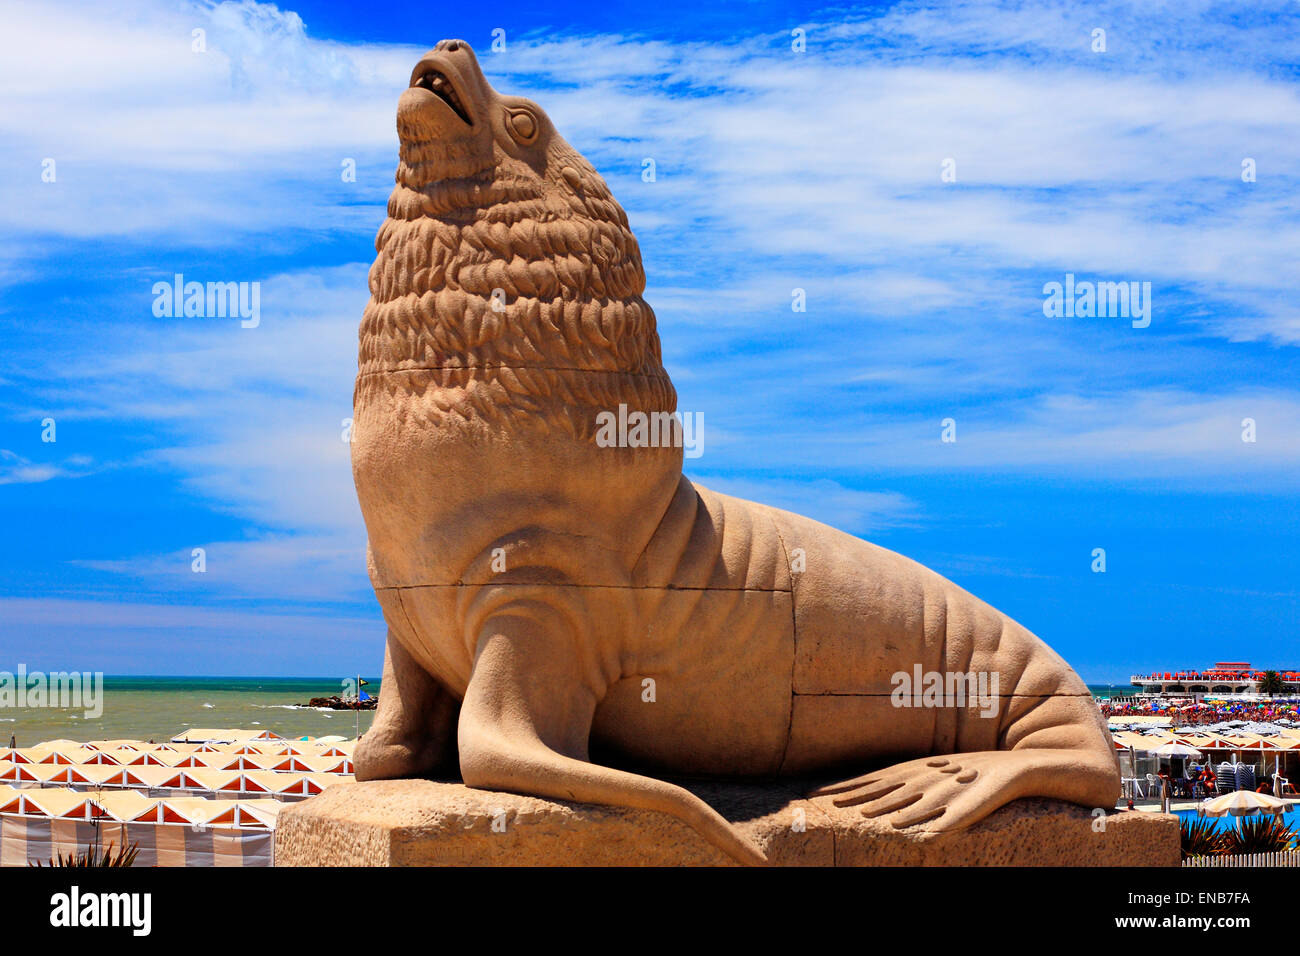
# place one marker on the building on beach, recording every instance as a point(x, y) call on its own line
point(1222, 678)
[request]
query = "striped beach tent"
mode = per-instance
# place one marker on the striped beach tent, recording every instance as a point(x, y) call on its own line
point(39, 773)
point(1250, 742)
point(291, 783)
point(107, 758)
point(55, 802)
point(137, 758)
point(213, 781)
point(95, 775)
point(291, 748)
point(28, 839)
point(260, 813)
point(201, 759)
point(42, 754)
point(37, 825)
point(259, 762)
point(319, 782)
point(315, 764)
point(120, 743)
point(269, 781)
point(217, 761)
point(69, 755)
point(61, 743)
point(163, 811)
point(125, 805)
point(199, 811)
point(154, 778)
point(9, 799)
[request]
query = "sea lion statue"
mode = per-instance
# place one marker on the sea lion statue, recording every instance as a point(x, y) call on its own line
point(547, 591)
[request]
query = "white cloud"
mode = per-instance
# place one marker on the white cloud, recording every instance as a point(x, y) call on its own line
point(775, 171)
point(849, 509)
point(17, 470)
point(1064, 160)
point(1193, 438)
point(287, 569)
point(252, 421)
point(123, 637)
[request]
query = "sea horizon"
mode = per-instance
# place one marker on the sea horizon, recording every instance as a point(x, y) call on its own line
point(160, 706)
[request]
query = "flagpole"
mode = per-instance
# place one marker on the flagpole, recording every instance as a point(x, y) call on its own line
point(358, 707)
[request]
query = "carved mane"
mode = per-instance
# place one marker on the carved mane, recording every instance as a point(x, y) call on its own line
point(568, 301)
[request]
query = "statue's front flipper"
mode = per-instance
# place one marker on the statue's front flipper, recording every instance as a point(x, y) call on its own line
point(525, 724)
point(414, 730)
point(951, 792)
point(1057, 748)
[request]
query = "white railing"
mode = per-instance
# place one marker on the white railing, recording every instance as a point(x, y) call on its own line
point(1282, 858)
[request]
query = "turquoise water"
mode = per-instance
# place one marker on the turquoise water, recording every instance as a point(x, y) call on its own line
point(159, 708)
point(1230, 823)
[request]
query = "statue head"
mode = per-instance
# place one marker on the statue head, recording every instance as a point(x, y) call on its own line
point(506, 271)
point(455, 128)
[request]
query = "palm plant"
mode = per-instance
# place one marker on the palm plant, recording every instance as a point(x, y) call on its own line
point(1261, 835)
point(94, 857)
point(1200, 838)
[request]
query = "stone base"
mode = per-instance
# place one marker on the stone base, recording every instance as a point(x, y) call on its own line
point(427, 823)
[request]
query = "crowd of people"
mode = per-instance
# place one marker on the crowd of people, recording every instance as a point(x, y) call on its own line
point(1189, 713)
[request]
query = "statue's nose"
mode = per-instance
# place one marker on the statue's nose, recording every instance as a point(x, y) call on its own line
point(460, 51)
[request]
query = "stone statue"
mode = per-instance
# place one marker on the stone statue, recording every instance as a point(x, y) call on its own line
point(556, 592)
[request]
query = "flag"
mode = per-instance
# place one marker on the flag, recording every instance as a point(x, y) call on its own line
point(362, 682)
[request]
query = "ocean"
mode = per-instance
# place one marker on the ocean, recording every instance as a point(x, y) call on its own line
point(159, 708)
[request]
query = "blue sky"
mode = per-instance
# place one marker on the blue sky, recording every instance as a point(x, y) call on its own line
point(776, 170)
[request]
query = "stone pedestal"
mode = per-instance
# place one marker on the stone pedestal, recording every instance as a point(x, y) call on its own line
point(427, 823)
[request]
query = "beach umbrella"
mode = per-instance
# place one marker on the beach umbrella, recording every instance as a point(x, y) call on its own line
point(1241, 803)
point(1175, 749)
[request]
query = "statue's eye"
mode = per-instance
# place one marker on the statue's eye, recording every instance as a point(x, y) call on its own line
point(523, 125)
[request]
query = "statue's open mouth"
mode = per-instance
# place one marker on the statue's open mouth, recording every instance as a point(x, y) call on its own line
point(437, 83)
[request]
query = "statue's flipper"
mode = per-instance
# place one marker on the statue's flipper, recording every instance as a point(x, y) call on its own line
point(414, 730)
point(1057, 747)
point(951, 792)
point(524, 728)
